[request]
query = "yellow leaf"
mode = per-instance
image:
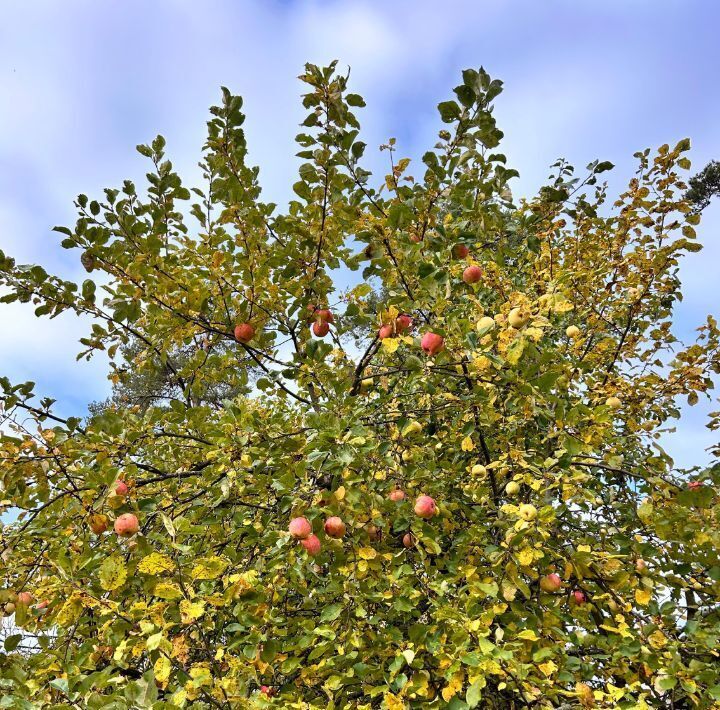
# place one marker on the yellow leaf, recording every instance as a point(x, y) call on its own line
point(657, 639)
point(390, 345)
point(180, 649)
point(112, 573)
point(179, 698)
point(155, 563)
point(509, 590)
point(70, 612)
point(467, 444)
point(412, 428)
point(453, 687)
point(645, 510)
point(535, 334)
point(190, 611)
point(515, 350)
point(367, 553)
point(528, 635)
point(643, 596)
point(525, 557)
point(420, 684)
point(209, 567)
point(201, 675)
point(561, 304)
point(393, 702)
point(167, 590)
point(548, 668)
point(585, 694)
point(162, 668)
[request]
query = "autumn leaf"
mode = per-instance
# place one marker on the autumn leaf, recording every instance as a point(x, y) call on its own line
point(453, 687)
point(190, 611)
point(167, 590)
point(467, 444)
point(390, 345)
point(113, 573)
point(643, 596)
point(393, 702)
point(155, 564)
point(162, 670)
point(209, 568)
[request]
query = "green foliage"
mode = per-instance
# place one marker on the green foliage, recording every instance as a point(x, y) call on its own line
point(540, 444)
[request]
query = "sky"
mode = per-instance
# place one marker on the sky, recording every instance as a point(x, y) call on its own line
point(82, 82)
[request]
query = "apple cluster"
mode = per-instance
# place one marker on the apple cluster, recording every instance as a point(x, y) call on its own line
point(300, 528)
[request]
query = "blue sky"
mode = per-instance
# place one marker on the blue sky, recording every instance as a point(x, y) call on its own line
point(82, 82)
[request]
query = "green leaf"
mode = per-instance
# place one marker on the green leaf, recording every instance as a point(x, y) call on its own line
point(449, 111)
point(12, 642)
point(474, 693)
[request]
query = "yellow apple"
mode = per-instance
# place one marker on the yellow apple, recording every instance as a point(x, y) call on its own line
point(518, 317)
point(486, 322)
point(613, 402)
point(527, 512)
point(572, 332)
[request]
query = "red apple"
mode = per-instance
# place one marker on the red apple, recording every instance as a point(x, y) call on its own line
point(121, 489)
point(403, 322)
point(579, 596)
point(267, 690)
point(425, 506)
point(312, 544)
point(40, 606)
point(460, 251)
point(25, 598)
point(325, 315)
point(300, 528)
point(320, 328)
point(432, 343)
point(416, 238)
point(397, 495)
point(472, 274)
point(550, 582)
point(334, 527)
point(694, 485)
point(244, 332)
point(408, 540)
point(126, 525)
point(386, 331)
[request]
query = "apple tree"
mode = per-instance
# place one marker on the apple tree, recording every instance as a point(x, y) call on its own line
point(442, 487)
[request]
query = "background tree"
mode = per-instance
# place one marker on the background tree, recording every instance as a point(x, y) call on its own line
point(704, 186)
point(447, 491)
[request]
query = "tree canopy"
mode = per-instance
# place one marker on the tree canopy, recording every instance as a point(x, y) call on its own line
point(443, 487)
